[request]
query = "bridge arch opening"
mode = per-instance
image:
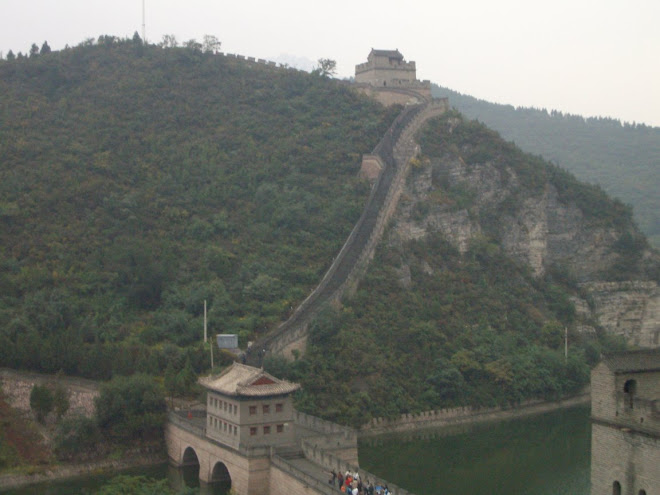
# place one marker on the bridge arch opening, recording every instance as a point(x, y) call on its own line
point(220, 474)
point(190, 468)
point(189, 457)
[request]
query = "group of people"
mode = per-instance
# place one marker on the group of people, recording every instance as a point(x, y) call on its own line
point(350, 483)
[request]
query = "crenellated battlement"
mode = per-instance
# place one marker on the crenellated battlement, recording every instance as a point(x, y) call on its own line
point(403, 66)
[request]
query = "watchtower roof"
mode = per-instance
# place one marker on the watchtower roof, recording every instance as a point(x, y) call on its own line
point(633, 361)
point(386, 53)
point(240, 380)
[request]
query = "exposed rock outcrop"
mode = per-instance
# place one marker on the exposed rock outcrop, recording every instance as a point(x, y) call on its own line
point(538, 228)
point(629, 309)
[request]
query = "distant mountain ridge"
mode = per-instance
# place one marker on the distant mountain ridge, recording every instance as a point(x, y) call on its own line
point(623, 158)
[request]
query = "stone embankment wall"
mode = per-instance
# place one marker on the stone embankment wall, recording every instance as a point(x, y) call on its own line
point(462, 415)
point(395, 150)
point(17, 386)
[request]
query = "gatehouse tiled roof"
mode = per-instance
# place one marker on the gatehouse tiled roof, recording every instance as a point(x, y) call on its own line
point(387, 53)
point(633, 361)
point(240, 380)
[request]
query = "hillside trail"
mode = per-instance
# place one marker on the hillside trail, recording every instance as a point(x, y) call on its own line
point(394, 152)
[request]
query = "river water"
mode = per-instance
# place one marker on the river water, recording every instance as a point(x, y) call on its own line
point(547, 454)
point(86, 485)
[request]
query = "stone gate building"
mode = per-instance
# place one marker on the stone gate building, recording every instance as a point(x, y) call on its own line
point(250, 436)
point(625, 415)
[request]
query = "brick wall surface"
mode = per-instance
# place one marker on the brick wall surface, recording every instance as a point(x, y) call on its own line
point(629, 458)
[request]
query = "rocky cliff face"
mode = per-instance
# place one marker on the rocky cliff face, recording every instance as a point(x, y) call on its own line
point(629, 309)
point(463, 198)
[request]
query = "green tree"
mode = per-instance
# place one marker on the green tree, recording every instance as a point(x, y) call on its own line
point(169, 41)
point(34, 50)
point(552, 334)
point(61, 401)
point(170, 382)
point(211, 44)
point(193, 44)
point(186, 378)
point(130, 407)
point(75, 436)
point(41, 401)
point(326, 67)
point(10, 55)
point(45, 48)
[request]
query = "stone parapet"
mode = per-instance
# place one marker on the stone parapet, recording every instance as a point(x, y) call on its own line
point(462, 415)
point(322, 426)
point(294, 481)
point(331, 462)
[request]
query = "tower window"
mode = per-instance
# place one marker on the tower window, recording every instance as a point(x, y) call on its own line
point(630, 388)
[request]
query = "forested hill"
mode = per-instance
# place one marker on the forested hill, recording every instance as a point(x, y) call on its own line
point(136, 182)
point(624, 159)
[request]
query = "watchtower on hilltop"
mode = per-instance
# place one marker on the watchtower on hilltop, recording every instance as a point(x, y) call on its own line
point(387, 77)
point(386, 68)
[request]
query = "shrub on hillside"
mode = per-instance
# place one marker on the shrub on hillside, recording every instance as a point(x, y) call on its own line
point(41, 402)
point(131, 407)
point(76, 436)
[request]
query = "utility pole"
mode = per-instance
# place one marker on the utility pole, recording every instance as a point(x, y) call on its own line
point(144, 29)
point(211, 342)
point(205, 337)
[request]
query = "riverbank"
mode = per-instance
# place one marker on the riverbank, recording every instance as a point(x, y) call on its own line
point(467, 415)
point(30, 468)
point(41, 474)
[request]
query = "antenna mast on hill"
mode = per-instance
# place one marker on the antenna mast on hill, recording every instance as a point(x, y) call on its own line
point(144, 29)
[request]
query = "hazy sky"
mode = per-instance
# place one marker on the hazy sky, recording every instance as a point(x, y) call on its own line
point(593, 58)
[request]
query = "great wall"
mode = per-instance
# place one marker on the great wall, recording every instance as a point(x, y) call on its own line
point(392, 156)
point(394, 153)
